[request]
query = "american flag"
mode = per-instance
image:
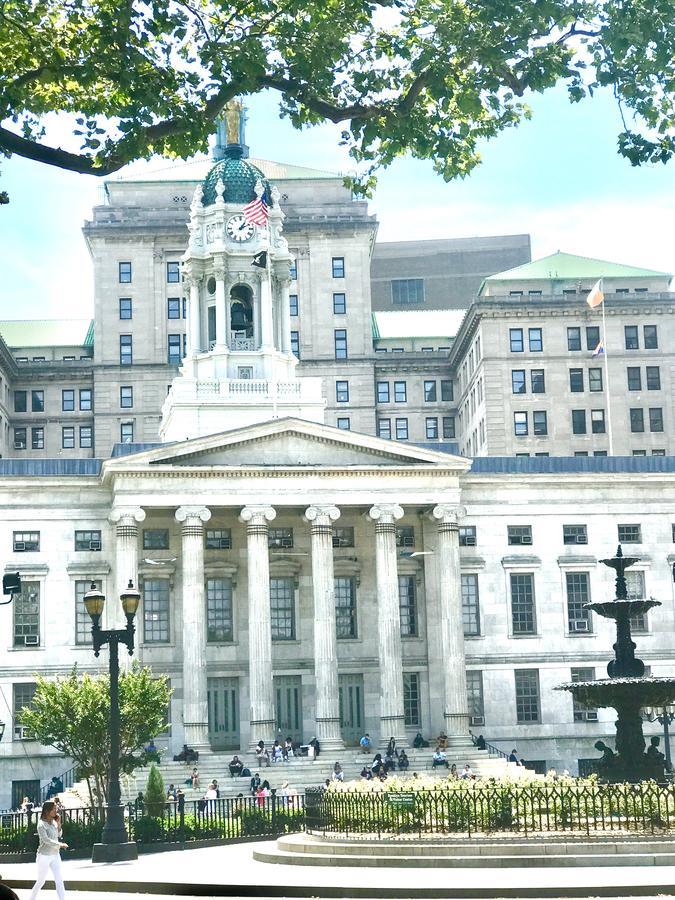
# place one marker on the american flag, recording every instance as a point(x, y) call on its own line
point(255, 212)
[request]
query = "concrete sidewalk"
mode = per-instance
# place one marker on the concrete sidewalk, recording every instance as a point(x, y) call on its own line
point(231, 871)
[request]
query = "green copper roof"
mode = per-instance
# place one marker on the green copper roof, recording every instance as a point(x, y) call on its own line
point(566, 266)
point(196, 169)
point(48, 332)
point(239, 177)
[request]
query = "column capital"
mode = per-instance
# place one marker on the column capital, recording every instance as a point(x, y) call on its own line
point(322, 514)
point(447, 514)
point(385, 513)
point(135, 513)
point(257, 515)
point(192, 512)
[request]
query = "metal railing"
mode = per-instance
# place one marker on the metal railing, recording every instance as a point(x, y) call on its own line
point(482, 807)
point(67, 780)
point(491, 749)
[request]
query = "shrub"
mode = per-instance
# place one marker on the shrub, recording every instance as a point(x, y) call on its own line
point(154, 793)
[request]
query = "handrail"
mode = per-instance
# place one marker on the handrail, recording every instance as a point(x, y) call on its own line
point(68, 779)
point(491, 749)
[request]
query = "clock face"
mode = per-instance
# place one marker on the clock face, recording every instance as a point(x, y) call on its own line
point(238, 229)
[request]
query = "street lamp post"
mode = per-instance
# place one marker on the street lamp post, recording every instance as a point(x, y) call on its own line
point(115, 844)
point(664, 716)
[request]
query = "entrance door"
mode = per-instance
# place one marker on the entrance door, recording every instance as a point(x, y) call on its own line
point(350, 689)
point(223, 695)
point(288, 696)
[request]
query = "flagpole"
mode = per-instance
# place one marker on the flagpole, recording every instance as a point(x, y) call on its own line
point(268, 272)
point(607, 397)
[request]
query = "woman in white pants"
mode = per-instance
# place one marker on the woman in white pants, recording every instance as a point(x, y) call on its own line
point(48, 857)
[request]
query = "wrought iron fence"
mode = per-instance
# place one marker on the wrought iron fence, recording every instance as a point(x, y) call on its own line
point(219, 820)
point(482, 807)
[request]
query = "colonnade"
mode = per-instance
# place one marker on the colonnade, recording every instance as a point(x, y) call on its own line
point(257, 519)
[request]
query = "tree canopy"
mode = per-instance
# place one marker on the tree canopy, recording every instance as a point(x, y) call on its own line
point(428, 77)
point(72, 714)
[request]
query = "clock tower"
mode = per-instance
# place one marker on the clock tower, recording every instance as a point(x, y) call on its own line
point(238, 368)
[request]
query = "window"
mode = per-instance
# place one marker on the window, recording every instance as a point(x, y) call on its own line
point(126, 308)
point(650, 337)
point(578, 594)
point(448, 427)
point(280, 538)
point(516, 340)
point(446, 391)
point(653, 378)
point(656, 419)
point(295, 344)
point(407, 291)
point(537, 381)
point(218, 539)
point(23, 697)
point(342, 392)
point(470, 606)
point(400, 392)
point(173, 308)
point(68, 437)
point(405, 536)
point(293, 304)
point(37, 401)
point(467, 536)
point(174, 349)
point(407, 601)
point(155, 609)
point(536, 340)
point(20, 401)
point(384, 428)
point(429, 391)
point(576, 380)
point(574, 338)
point(383, 392)
point(338, 265)
point(401, 429)
point(86, 398)
point(575, 534)
point(345, 607)
point(343, 536)
point(126, 350)
point(126, 432)
point(522, 603)
point(68, 400)
point(87, 540)
point(86, 436)
point(595, 380)
point(173, 272)
point(635, 584)
point(219, 627)
point(582, 713)
point(26, 541)
point(527, 695)
point(294, 270)
point(126, 397)
point(592, 337)
point(639, 452)
point(344, 423)
point(630, 534)
point(520, 427)
point(539, 422)
point(474, 696)
point(631, 339)
point(124, 272)
point(634, 379)
point(637, 420)
point(578, 421)
point(82, 618)
point(155, 538)
point(598, 421)
point(519, 535)
point(431, 424)
point(19, 438)
point(37, 438)
point(411, 699)
point(340, 337)
point(518, 385)
point(661, 452)
point(339, 304)
point(26, 606)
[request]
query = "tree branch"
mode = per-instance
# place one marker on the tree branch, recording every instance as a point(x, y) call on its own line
point(577, 32)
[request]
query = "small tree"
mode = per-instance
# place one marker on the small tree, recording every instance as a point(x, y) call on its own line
point(154, 793)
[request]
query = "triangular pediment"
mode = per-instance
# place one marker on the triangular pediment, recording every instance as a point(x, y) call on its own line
point(289, 443)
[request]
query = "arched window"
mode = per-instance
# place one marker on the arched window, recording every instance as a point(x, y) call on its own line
point(241, 311)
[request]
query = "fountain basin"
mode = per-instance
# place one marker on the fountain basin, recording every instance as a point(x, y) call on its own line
point(608, 692)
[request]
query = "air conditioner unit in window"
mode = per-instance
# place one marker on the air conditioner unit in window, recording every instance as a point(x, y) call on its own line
point(94, 545)
point(21, 733)
point(581, 625)
point(19, 445)
point(478, 720)
point(470, 540)
point(19, 546)
point(526, 539)
point(591, 715)
point(224, 544)
point(286, 542)
point(582, 539)
point(31, 640)
point(406, 540)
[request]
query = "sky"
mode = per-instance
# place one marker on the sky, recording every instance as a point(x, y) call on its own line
point(557, 177)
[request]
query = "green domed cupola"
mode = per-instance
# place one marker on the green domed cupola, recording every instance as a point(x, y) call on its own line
point(237, 174)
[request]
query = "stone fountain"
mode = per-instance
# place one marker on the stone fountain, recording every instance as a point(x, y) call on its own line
point(627, 689)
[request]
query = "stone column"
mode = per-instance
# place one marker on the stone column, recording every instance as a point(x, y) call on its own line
point(392, 721)
point(266, 325)
point(126, 518)
point(261, 690)
point(221, 311)
point(325, 639)
point(456, 707)
point(195, 704)
point(285, 317)
point(194, 330)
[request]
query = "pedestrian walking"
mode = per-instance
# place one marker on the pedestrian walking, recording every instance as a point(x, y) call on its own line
point(48, 855)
